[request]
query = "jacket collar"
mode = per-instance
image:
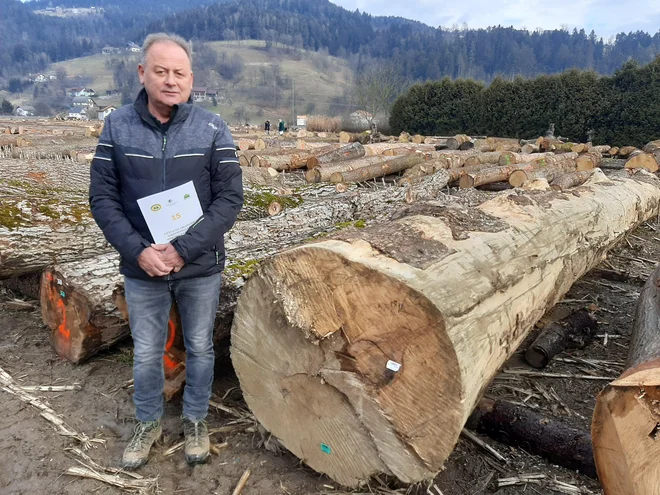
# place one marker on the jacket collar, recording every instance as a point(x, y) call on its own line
point(180, 112)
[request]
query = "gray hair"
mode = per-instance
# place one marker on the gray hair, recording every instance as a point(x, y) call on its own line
point(154, 38)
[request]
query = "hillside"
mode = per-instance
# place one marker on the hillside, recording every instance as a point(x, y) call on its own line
point(263, 88)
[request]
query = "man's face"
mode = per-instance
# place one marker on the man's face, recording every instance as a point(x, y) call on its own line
point(167, 75)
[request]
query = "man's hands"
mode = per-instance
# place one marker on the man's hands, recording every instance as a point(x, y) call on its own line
point(160, 259)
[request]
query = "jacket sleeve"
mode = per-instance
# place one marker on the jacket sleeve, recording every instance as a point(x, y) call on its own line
point(226, 203)
point(105, 201)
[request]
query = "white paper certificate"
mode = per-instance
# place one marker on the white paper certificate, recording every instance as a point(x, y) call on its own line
point(169, 213)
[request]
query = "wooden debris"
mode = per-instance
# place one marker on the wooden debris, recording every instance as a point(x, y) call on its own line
point(242, 482)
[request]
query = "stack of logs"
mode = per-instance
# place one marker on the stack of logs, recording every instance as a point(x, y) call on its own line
point(331, 340)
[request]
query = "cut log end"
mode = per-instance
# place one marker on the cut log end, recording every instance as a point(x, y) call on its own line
point(306, 355)
point(626, 433)
point(274, 208)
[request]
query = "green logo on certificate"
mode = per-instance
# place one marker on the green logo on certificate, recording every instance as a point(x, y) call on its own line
point(186, 196)
point(156, 207)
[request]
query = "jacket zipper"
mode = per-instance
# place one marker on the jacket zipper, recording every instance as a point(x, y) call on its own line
point(169, 275)
point(164, 161)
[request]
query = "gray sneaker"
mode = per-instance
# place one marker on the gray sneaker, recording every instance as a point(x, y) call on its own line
point(197, 442)
point(136, 453)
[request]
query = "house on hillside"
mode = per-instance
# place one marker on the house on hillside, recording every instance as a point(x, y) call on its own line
point(74, 92)
point(199, 93)
point(132, 47)
point(39, 78)
point(24, 111)
point(83, 101)
point(77, 113)
point(109, 50)
point(103, 112)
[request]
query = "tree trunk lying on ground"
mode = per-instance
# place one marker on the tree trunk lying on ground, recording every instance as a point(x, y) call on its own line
point(332, 341)
point(643, 160)
point(76, 304)
point(550, 172)
point(454, 143)
point(378, 169)
point(48, 174)
point(39, 227)
point(571, 179)
point(323, 173)
point(348, 152)
point(518, 426)
point(626, 421)
point(83, 304)
point(574, 331)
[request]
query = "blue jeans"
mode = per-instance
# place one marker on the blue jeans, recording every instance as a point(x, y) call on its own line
point(149, 303)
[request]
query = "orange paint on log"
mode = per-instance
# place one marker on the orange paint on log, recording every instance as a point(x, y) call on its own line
point(170, 363)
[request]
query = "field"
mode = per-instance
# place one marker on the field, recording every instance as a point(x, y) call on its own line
point(313, 77)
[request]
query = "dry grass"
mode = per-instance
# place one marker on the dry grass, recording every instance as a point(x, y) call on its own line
point(322, 123)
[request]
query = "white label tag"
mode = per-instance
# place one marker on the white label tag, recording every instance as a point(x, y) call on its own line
point(393, 366)
point(59, 281)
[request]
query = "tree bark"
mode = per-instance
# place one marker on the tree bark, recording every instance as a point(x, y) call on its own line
point(332, 342)
point(548, 172)
point(378, 169)
point(39, 227)
point(626, 421)
point(453, 143)
point(571, 179)
point(76, 304)
point(514, 425)
point(530, 148)
point(323, 173)
point(574, 331)
point(482, 158)
point(491, 175)
point(627, 151)
point(47, 174)
point(344, 153)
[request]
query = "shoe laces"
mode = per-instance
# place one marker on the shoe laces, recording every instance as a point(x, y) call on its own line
point(140, 435)
point(194, 430)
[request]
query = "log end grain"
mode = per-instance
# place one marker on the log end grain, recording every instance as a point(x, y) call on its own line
point(304, 349)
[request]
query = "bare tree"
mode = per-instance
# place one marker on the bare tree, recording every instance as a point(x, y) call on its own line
point(376, 88)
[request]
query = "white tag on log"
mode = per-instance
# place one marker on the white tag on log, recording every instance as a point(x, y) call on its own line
point(59, 281)
point(393, 366)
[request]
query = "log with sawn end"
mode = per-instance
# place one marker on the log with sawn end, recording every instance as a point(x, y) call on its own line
point(331, 340)
point(378, 169)
point(626, 423)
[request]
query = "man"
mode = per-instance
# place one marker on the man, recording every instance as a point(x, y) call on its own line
point(267, 127)
point(160, 142)
point(280, 127)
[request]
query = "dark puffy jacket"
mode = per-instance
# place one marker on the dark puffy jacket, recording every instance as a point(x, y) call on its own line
point(135, 158)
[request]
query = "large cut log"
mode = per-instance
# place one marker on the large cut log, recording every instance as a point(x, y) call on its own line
point(548, 172)
point(366, 353)
point(77, 306)
point(588, 161)
point(379, 169)
point(348, 152)
point(47, 174)
point(511, 158)
point(323, 173)
point(453, 159)
point(571, 179)
point(626, 421)
point(39, 227)
point(454, 143)
point(643, 160)
point(483, 158)
point(518, 426)
point(530, 148)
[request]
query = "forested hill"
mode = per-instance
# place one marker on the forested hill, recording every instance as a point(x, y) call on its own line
point(31, 41)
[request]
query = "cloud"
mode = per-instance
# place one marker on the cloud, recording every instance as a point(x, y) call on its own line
point(605, 17)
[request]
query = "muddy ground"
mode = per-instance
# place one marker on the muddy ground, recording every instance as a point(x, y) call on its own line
point(33, 457)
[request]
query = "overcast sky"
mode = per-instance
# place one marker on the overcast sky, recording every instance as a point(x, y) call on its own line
point(605, 17)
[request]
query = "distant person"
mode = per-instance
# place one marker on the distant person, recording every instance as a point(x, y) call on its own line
point(267, 127)
point(161, 142)
point(280, 127)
